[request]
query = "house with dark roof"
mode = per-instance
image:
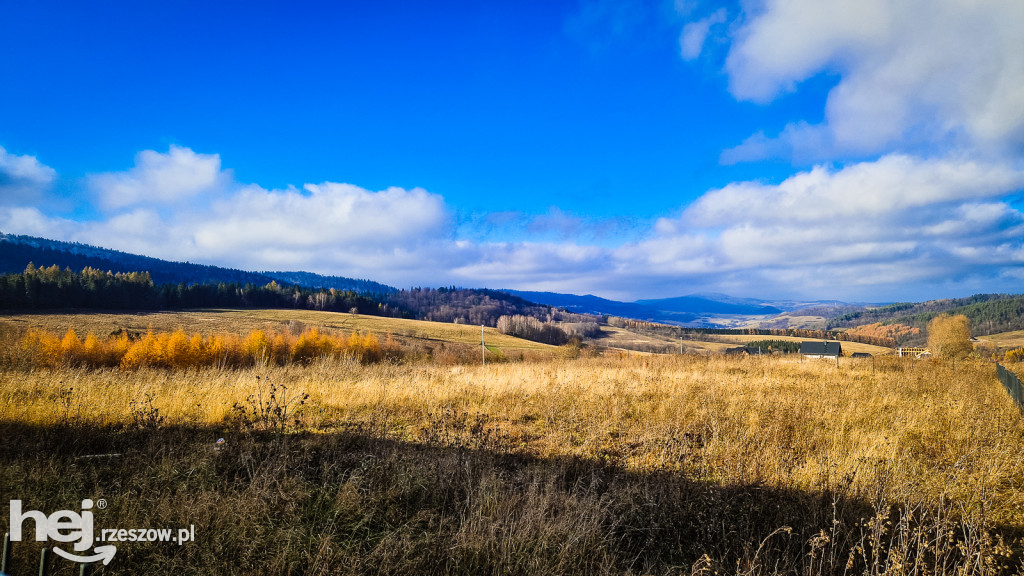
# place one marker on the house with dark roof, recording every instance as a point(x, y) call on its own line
point(860, 355)
point(821, 349)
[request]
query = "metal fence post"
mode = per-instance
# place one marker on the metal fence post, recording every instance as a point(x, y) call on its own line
point(7, 553)
point(44, 562)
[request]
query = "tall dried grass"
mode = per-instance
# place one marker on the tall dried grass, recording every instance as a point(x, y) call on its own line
point(601, 465)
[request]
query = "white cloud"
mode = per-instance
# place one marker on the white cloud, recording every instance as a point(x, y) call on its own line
point(878, 190)
point(912, 75)
point(159, 178)
point(331, 224)
point(139, 231)
point(900, 226)
point(691, 42)
point(799, 141)
point(850, 232)
point(23, 179)
point(181, 205)
point(30, 221)
point(332, 228)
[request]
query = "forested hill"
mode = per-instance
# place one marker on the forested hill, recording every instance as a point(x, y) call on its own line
point(45, 274)
point(476, 306)
point(988, 313)
point(311, 280)
point(16, 252)
point(52, 287)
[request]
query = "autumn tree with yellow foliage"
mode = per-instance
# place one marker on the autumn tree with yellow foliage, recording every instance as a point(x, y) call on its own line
point(950, 336)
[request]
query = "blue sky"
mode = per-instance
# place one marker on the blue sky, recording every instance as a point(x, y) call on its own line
point(861, 150)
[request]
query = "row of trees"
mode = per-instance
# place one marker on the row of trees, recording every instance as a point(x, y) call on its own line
point(783, 346)
point(529, 328)
point(464, 306)
point(53, 287)
point(885, 334)
point(56, 288)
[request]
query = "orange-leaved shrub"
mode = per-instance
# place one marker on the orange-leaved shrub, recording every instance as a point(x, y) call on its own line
point(180, 350)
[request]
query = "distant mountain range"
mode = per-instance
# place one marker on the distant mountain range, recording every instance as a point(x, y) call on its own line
point(988, 313)
point(17, 251)
point(693, 309)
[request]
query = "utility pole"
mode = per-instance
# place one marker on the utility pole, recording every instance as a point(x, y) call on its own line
point(483, 347)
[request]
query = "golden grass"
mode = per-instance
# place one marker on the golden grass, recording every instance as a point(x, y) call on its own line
point(612, 465)
point(1013, 339)
point(909, 431)
point(209, 321)
point(622, 339)
point(613, 337)
point(793, 321)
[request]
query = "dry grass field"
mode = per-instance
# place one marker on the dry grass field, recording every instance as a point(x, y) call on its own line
point(242, 321)
point(1005, 340)
point(641, 465)
point(621, 338)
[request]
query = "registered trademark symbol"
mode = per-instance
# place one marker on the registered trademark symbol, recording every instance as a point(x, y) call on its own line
point(101, 504)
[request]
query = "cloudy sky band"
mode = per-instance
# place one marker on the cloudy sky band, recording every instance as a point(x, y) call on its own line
point(887, 163)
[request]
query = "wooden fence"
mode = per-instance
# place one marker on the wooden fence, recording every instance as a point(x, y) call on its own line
point(1013, 386)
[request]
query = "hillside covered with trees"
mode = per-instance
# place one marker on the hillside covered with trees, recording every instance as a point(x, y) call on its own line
point(56, 288)
point(987, 313)
point(16, 252)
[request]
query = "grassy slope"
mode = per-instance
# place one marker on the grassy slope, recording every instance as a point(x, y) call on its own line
point(1013, 339)
point(243, 321)
point(622, 338)
point(563, 467)
point(612, 465)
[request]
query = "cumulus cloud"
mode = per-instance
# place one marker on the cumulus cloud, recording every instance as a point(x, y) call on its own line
point(31, 221)
point(23, 179)
point(893, 185)
point(329, 228)
point(159, 178)
point(898, 226)
point(886, 224)
point(181, 205)
point(911, 75)
point(330, 223)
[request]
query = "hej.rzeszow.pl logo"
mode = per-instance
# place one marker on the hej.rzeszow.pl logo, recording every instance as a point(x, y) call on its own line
point(67, 526)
